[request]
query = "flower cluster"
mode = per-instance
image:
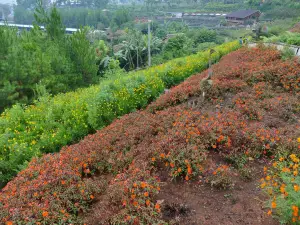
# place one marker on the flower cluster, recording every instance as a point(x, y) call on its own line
point(282, 184)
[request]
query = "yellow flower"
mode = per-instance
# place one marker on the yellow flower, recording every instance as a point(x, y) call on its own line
point(298, 139)
point(263, 185)
point(294, 158)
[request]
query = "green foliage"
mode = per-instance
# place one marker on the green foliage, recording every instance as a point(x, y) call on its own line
point(178, 46)
point(203, 35)
point(121, 16)
point(284, 197)
point(205, 46)
point(287, 53)
point(287, 37)
point(54, 122)
point(53, 23)
point(59, 62)
point(221, 7)
point(83, 55)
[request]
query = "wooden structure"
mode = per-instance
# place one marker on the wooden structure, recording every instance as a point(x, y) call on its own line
point(243, 17)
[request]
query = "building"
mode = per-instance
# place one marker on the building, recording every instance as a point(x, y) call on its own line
point(243, 17)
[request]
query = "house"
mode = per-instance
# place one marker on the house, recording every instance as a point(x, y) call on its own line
point(243, 17)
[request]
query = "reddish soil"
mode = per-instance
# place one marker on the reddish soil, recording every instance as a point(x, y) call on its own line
point(195, 203)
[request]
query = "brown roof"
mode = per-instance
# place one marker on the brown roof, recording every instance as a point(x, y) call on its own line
point(242, 13)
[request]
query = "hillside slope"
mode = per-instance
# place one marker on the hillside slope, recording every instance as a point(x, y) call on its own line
point(148, 166)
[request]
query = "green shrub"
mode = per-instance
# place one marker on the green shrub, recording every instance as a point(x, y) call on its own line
point(53, 122)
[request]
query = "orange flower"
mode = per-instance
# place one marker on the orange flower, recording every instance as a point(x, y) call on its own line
point(45, 214)
point(134, 185)
point(143, 185)
point(179, 170)
point(214, 146)
point(133, 196)
point(186, 177)
point(147, 202)
point(128, 217)
point(189, 169)
point(269, 213)
point(162, 155)
point(268, 178)
point(285, 170)
point(295, 173)
point(9, 223)
point(146, 194)
point(263, 185)
point(172, 165)
point(296, 187)
point(295, 210)
point(273, 205)
point(63, 182)
point(135, 203)
point(157, 207)
point(92, 196)
point(153, 159)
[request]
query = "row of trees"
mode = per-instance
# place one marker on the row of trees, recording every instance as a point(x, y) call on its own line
point(76, 17)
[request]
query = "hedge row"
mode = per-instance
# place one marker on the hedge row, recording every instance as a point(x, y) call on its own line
point(57, 121)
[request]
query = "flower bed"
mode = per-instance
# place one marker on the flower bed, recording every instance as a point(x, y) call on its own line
point(56, 121)
point(117, 167)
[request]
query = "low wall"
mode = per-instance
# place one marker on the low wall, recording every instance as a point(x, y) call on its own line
point(280, 46)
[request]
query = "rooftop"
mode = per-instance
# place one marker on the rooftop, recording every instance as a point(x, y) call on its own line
point(242, 13)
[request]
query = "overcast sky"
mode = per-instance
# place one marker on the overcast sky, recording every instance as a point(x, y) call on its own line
point(7, 1)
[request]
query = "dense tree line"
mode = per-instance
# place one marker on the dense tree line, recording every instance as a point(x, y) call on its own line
point(36, 60)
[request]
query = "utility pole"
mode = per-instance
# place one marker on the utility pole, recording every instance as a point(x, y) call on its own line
point(149, 48)
point(137, 56)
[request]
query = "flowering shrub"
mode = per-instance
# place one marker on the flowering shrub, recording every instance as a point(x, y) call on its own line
point(253, 67)
point(135, 190)
point(120, 166)
point(54, 122)
point(282, 184)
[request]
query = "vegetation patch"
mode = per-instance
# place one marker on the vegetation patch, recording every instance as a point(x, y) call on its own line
point(121, 169)
point(53, 122)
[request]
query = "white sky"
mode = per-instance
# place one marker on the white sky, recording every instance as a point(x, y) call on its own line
point(7, 2)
